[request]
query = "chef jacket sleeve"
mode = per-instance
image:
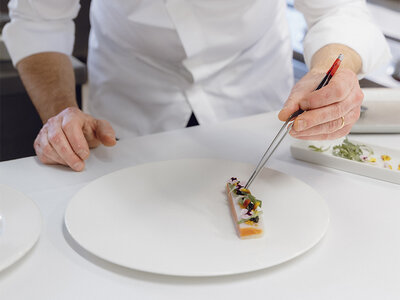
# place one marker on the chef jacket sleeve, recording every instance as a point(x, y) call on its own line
point(40, 26)
point(345, 22)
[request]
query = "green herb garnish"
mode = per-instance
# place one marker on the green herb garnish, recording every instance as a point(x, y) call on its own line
point(351, 151)
point(318, 149)
point(254, 200)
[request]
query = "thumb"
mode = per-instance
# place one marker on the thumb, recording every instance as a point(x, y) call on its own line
point(291, 106)
point(105, 133)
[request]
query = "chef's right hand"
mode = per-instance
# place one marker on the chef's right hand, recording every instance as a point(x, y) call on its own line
point(67, 137)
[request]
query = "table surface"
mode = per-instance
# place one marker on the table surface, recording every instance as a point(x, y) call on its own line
point(359, 257)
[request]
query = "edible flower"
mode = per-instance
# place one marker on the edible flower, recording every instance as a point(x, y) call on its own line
point(372, 159)
point(385, 157)
point(245, 190)
point(245, 214)
point(234, 181)
point(387, 165)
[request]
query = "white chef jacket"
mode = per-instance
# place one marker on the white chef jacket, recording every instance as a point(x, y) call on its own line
point(152, 62)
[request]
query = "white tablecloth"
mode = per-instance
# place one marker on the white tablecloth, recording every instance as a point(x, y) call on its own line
point(359, 257)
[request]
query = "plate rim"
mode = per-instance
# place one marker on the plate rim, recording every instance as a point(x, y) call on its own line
point(34, 239)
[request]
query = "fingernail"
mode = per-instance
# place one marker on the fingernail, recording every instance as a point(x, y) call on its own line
point(110, 136)
point(300, 125)
point(282, 112)
point(286, 107)
point(78, 166)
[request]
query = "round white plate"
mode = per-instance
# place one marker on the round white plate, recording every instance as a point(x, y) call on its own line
point(20, 225)
point(172, 217)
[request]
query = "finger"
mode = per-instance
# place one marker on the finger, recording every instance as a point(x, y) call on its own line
point(330, 127)
point(72, 128)
point(302, 88)
point(89, 131)
point(328, 136)
point(337, 90)
point(61, 145)
point(290, 107)
point(105, 133)
point(328, 113)
point(45, 151)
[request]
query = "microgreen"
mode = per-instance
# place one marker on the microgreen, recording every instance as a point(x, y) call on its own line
point(351, 151)
point(318, 149)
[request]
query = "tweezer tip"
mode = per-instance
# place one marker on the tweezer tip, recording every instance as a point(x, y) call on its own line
point(340, 57)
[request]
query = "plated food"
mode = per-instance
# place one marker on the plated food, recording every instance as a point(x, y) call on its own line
point(246, 210)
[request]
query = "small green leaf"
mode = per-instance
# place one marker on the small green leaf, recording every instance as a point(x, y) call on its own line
point(352, 151)
point(318, 149)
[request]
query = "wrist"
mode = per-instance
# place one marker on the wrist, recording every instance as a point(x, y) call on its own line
point(55, 108)
point(324, 58)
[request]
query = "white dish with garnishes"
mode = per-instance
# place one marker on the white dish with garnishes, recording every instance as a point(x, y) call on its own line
point(383, 163)
point(173, 218)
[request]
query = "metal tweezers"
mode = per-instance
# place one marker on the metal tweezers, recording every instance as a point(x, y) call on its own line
point(289, 123)
point(274, 144)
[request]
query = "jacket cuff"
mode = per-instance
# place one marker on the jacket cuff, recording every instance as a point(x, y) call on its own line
point(363, 37)
point(24, 38)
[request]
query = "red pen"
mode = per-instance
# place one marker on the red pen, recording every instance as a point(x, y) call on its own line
point(330, 72)
point(328, 76)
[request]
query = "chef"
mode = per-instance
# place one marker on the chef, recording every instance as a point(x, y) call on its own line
point(157, 65)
